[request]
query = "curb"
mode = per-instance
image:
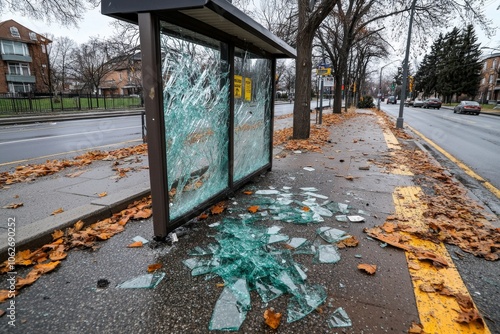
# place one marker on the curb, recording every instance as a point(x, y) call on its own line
point(40, 232)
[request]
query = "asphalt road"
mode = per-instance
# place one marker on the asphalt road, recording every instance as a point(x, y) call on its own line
point(27, 141)
point(474, 140)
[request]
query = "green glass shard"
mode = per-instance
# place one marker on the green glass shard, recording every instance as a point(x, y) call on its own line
point(277, 238)
point(296, 242)
point(339, 318)
point(338, 208)
point(267, 290)
point(306, 248)
point(308, 193)
point(228, 313)
point(309, 189)
point(208, 250)
point(309, 299)
point(274, 229)
point(322, 211)
point(331, 235)
point(301, 271)
point(286, 280)
point(327, 254)
point(148, 281)
point(267, 192)
point(341, 218)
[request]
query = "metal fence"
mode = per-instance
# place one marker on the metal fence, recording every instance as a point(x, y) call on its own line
point(21, 104)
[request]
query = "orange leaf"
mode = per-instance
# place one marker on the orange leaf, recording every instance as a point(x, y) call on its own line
point(203, 216)
point(154, 267)
point(306, 209)
point(248, 192)
point(57, 234)
point(31, 278)
point(136, 244)
point(46, 267)
point(218, 208)
point(143, 214)
point(78, 225)
point(103, 194)
point(60, 210)
point(369, 268)
point(6, 294)
point(272, 318)
point(253, 208)
point(58, 254)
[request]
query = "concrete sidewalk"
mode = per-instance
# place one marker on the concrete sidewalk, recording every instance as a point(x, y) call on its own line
point(71, 300)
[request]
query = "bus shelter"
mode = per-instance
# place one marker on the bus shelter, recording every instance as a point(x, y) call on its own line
point(208, 80)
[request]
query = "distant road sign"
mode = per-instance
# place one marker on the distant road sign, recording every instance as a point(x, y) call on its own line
point(324, 71)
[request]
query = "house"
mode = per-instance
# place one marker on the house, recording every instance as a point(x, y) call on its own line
point(24, 60)
point(125, 78)
point(489, 91)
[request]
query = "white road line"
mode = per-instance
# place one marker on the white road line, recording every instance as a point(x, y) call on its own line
point(68, 135)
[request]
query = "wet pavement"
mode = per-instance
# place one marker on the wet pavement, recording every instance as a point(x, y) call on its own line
point(82, 296)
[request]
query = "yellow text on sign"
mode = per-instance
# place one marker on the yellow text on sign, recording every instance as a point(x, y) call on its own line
point(248, 89)
point(238, 83)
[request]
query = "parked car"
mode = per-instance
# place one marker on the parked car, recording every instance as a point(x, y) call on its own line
point(432, 103)
point(469, 107)
point(391, 99)
point(408, 103)
point(418, 103)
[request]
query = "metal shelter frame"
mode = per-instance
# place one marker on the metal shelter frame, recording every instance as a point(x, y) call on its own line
point(217, 19)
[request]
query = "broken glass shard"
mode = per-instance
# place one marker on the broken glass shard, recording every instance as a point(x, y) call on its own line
point(301, 271)
point(309, 299)
point(356, 219)
point(309, 189)
point(331, 235)
point(341, 218)
point(267, 290)
point(322, 211)
point(305, 248)
point(148, 281)
point(338, 207)
point(208, 250)
point(286, 280)
point(296, 242)
point(315, 195)
point(309, 169)
point(277, 238)
point(274, 229)
point(327, 254)
point(141, 239)
point(267, 192)
point(339, 318)
point(229, 312)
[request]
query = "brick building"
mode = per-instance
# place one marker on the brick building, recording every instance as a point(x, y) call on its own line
point(24, 61)
point(125, 79)
point(490, 83)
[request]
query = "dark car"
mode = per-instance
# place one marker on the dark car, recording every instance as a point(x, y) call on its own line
point(432, 103)
point(468, 107)
point(391, 99)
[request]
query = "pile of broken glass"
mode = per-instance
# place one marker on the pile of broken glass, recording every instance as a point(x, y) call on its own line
point(249, 256)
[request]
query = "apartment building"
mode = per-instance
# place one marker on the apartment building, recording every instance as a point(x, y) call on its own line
point(490, 83)
point(24, 60)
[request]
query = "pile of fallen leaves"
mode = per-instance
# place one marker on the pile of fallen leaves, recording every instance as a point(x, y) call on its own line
point(451, 216)
point(30, 172)
point(49, 256)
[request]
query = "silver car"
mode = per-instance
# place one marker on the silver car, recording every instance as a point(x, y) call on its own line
point(418, 103)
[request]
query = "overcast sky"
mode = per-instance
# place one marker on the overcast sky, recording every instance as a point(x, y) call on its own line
point(95, 24)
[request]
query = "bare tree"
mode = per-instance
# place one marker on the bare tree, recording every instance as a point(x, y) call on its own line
point(59, 54)
point(92, 61)
point(67, 12)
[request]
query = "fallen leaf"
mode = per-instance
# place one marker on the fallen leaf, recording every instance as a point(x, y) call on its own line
point(30, 278)
point(46, 267)
point(272, 318)
point(143, 214)
point(253, 209)
point(416, 328)
point(75, 174)
point(369, 268)
point(78, 225)
point(218, 208)
point(306, 209)
point(2, 313)
point(7, 294)
point(55, 212)
point(349, 242)
point(154, 267)
point(13, 205)
point(248, 192)
point(58, 254)
point(103, 194)
point(136, 244)
point(57, 234)
point(203, 216)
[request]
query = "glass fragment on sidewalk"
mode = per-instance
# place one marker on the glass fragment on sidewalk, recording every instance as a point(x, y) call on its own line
point(148, 281)
point(331, 235)
point(231, 308)
point(327, 254)
point(339, 318)
point(305, 301)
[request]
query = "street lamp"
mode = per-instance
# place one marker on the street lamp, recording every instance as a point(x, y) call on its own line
point(400, 120)
point(380, 83)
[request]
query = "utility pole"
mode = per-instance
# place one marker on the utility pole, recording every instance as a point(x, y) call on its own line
point(400, 120)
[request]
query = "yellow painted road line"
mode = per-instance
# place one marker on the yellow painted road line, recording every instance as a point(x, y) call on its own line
point(437, 312)
point(495, 191)
point(393, 145)
point(68, 152)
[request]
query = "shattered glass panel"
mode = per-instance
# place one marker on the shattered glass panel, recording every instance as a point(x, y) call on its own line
point(339, 318)
point(196, 111)
point(148, 281)
point(267, 290)
point(252, 127)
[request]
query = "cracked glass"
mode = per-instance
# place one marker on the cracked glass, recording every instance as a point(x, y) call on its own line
point(196, 112)
point(252, 112)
